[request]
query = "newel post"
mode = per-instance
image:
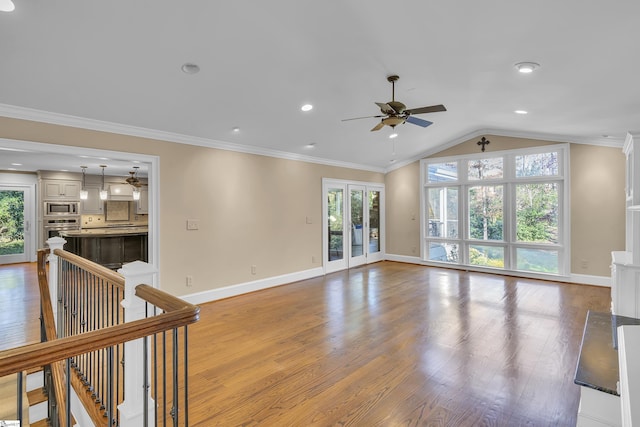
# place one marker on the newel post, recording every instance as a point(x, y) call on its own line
point(132, 412)
point(54, 243)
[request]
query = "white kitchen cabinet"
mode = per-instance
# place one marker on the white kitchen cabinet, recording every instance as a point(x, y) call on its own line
point(61, 190)
point(142, 205)
point(92, 205)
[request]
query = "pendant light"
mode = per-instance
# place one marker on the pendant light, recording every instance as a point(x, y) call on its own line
point(136, 189)
point(84, 194)
point(103, 192)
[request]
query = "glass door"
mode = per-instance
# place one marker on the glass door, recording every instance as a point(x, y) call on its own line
point(375, 200)
point(357, 226)
point(334, 231)
point(354, 224)
point(14, 227)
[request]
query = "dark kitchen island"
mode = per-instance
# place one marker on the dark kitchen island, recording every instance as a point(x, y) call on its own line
point(110, 246)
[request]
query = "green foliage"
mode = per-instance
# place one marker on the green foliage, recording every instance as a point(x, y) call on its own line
point(11, 216)
point(487, 257)
point(536, 213)
point(485, 212)
point(12, 248)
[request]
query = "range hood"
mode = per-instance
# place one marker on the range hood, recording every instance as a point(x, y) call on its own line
point(120, 192)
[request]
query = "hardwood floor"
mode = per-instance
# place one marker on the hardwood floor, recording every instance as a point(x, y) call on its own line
point(392, 344)
point(19, 305)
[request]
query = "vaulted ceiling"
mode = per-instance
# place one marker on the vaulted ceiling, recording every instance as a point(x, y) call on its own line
point(120, 62)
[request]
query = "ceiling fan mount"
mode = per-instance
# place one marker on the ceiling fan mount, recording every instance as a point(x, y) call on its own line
point(395, 112)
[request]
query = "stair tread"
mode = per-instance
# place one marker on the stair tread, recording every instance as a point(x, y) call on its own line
point(36, 396)
point(41, 423)
point(33, 370)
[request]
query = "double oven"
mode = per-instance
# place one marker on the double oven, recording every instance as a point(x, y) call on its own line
point(60, 216)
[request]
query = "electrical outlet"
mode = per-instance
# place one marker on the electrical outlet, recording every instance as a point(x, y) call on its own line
point(192, 224)
point(189, 281)
point(253, 269)
point(309, 220)
point(584, 264)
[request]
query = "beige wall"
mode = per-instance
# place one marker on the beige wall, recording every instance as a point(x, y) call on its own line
point(403, 210)
point(251, 209)
point(597, 201)
point(597, 207)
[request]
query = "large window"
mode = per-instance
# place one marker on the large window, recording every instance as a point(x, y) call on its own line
point(502, 210)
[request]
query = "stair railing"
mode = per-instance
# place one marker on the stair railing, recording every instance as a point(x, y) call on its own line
point(153, 391)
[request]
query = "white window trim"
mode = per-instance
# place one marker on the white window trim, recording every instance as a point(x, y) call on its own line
point(509, 179)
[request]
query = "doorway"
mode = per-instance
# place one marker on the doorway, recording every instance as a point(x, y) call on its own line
point(354, 216)
point(16, 219)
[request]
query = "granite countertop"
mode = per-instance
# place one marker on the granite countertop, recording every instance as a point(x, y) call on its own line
point(106, 231)
point(598, 361)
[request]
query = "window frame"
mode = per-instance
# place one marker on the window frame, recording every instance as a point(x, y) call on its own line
point(509, 181)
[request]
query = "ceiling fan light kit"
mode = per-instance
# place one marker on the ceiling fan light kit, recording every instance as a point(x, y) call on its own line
point(395, 112)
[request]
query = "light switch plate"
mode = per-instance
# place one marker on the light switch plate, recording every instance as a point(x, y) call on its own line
point(192, 224)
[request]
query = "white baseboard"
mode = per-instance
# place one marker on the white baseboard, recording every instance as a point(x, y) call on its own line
point(256, 285)
point(582, 279)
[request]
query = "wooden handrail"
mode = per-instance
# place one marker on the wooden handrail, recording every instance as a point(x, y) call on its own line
point(177, 313)
point(96, 269)
point(57, 370)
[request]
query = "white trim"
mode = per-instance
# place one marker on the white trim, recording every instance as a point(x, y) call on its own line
point(256, 285)
point(23, 113)
point(579, 279)
point(603, 142)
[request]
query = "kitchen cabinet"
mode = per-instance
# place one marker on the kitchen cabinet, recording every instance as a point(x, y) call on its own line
point(92, 205)
point(55, 189)
point(142, 205)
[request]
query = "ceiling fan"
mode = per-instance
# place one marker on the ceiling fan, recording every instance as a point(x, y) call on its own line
point(133, 179)
point(395, 112)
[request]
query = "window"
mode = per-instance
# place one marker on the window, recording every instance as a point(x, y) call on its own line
point(502, 210)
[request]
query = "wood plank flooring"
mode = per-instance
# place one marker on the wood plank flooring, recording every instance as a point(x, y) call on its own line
point(392, 344)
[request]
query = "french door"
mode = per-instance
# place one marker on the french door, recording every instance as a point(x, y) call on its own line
point(353, 214)
point(15, 225)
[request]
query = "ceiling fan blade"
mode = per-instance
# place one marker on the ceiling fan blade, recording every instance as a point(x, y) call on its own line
point(365, 117)
point(430, 109)
point(378, 127)
point(419, 122)
point(386, 108)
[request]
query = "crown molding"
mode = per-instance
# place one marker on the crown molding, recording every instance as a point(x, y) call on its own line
point(23, 113)
point(603, 142)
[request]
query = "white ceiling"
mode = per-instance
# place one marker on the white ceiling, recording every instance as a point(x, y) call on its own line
point(119, 62)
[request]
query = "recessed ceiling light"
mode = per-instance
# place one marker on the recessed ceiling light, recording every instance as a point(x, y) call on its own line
point(16, 164)
point(521, 112)
point(190, 68)
point(11, 169)
point(306, 107)
point(526, 67)
point(236, 129)
point(392, 161)
point(310, 146)
point(393, 135)
point(7, 6)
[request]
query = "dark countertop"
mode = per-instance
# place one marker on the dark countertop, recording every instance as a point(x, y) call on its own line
point(598, 361)
point(106, 231)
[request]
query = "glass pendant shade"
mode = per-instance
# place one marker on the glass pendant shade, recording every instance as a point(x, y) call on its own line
point(136, 194)
point(84, 194)
point(103, 192)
